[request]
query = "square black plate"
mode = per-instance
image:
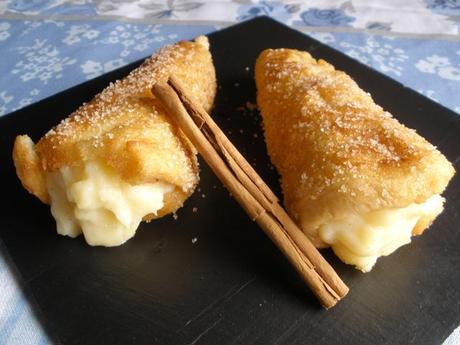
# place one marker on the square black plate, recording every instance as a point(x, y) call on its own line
point(232, 286)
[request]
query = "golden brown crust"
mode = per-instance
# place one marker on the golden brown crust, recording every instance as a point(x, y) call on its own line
point(125, 126)
point(28, 167)
point(424, 223)
point(336, 150)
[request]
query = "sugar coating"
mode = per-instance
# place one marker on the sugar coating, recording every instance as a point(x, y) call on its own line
point(332, 144)
point(126, 126)
point(126, 129)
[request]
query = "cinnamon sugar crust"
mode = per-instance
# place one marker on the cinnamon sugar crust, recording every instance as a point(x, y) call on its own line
point(126, 128)
point(337, 151)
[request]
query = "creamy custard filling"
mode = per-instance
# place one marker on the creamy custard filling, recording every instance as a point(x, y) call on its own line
point(95, 201)
point(360, 239)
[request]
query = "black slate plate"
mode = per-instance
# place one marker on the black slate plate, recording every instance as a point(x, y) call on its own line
point(232, 286)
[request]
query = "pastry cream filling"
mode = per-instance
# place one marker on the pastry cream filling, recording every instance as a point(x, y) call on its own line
point(95, 201)
point(360, 239)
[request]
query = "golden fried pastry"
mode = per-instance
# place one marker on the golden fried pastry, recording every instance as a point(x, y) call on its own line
point(352, 176)
point(117, 159)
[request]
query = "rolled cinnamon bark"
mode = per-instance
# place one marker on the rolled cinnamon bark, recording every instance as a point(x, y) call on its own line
point(250, 191)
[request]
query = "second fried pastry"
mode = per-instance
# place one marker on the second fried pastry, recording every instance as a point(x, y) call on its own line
point(353, 177)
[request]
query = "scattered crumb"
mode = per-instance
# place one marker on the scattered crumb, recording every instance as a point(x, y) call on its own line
point(175, 216)
point(236, 84)
point(241, 131)
point(251, 106)
point(246, 68)
point(255, 135)
point(195, 209)
point(214, 187)
point(203, 195)
point(194, 240)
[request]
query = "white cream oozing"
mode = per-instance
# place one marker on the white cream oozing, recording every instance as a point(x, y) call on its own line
point(95, 201)
point(360, 239)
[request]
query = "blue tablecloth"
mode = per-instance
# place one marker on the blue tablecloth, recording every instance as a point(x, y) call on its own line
point(50, 45)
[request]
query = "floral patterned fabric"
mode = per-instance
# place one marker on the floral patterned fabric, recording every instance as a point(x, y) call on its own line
point(50, 45)
point(43, 57)
point(420, 16)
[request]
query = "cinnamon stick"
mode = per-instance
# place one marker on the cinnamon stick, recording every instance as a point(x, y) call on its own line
point(250, 191)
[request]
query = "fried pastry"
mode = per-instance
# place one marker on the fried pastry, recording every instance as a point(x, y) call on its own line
point(118, 160)
point(353, 177)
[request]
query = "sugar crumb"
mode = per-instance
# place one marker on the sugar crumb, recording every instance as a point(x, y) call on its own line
point(251, 106)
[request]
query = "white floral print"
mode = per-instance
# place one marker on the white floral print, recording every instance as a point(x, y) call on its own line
point(133, 37)
point(4, 33)
point(429, 93)
point(387, 58)
point(78, 32)
point(324, 37)
point(4, 100)
point(40, 61)
point(439, 65)
point(92, 69)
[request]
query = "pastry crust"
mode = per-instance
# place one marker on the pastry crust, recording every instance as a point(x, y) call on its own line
point(126, 128)
point(28, 167)
point(337, 151)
